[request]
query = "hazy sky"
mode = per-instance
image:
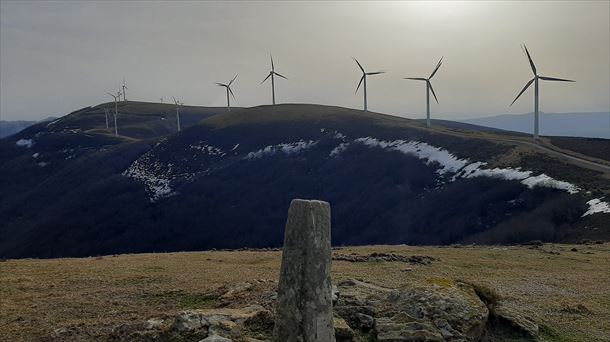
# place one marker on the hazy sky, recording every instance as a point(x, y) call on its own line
point(59, 56)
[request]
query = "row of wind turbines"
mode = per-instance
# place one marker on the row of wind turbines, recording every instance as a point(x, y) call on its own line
point(272, 74)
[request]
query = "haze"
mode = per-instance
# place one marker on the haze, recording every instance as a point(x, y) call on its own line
point(56, 57)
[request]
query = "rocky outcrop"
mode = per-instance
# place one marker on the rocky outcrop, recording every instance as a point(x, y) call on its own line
point(413, 259)
point(439, 310)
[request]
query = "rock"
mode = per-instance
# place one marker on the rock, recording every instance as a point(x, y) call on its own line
point(517, 320)
point(216, 338)
point(304, 305)
point(364, 322)
point(235, 290)
point(189, 321)
point(335, 294)
point(379, 256)
point(390, 331)
point(343, 333)
point(443, 310)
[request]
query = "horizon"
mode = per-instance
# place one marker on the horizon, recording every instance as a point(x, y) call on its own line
point(61, 54)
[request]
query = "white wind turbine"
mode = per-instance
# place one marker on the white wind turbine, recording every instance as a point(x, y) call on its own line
point(428, 89)
point(124, 92)
point(106, 115)
point(228, 87)
point(116, 97)
point(535, 80)
point(272, 74)
point(178, 104)
point(363, 79)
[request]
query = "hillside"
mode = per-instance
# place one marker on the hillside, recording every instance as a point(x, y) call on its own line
point(590, 125)
point(89, 299)
point(225, 182)
point(11, 127)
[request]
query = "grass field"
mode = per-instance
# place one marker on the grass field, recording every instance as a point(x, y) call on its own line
point(566, 291)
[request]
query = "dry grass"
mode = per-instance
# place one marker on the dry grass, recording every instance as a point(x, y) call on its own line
point(94, 294)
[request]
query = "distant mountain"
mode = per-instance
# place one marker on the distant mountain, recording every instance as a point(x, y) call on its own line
point(12, 127)
point(592, 125)
point(70, 188)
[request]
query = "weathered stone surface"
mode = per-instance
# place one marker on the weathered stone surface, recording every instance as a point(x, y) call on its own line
point(444, 310)
point(216, 338)
point(517, 320)
point(343, 333)
point(304, 302)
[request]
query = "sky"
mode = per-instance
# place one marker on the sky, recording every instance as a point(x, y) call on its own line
point(57, 56)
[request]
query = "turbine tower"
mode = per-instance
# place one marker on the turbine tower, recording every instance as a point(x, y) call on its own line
point(363, 79)
point(535, 81)
point(106, 115)
point(228, 86)
point(428, 89)
point(272, 74)
point(124, 93)
point(116, 98)
point(178, 104)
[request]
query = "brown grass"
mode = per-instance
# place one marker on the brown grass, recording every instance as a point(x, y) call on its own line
point(94, 294)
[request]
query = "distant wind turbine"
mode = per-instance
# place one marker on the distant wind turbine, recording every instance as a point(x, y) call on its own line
point(535, 80)
point(272, 74)
point(106, 115)
point(363, 79)
point(228, 87)
point(428, 89)
point(124, 93)
point(178, 104)
point(116, 109)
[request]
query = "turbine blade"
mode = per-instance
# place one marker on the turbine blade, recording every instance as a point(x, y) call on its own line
point(280, 75)
point(433, 93)
point(522, 90)
point(231, 82)
point(176, 102)
point(272, 66)
point(530, 59)
point(267, 77)
point(415, 78)
point(359, 83)
point(231, 91)
point(375, 73)
point(438, 65)
point(554, 79)
point(220, 84)
point(360, 66)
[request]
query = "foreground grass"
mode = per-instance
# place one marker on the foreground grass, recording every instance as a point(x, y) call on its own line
point(95, 294)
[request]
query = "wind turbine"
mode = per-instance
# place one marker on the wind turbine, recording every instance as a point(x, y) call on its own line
point(106, 115)
point(428, 89)
point(124, 93)
point(228, 86)
point(535, 80)
point(116, 97)
point(272, 74)
point(178, 104)
point(363, 79)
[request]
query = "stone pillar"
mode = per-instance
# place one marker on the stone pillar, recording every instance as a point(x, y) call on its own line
point(304, 301)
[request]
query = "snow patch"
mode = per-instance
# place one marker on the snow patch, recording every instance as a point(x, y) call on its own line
point(25, 143)
point(209, 149)
point(153, 174)
point(235, 147)
point(597, 206)
point(35, 155)
point(42, 164)
point(339, 135)
point(287, 148)
point(464, 168)
point(339, 149)
point(421, 150)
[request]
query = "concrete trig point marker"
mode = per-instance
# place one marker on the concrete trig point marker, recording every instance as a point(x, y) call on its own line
point(304, 302)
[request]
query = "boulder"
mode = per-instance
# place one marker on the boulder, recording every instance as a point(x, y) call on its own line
point(343, 333)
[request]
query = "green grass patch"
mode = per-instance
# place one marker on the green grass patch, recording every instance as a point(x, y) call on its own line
point(181, 299)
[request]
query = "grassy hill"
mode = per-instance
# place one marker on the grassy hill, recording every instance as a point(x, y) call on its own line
point(86, 298)
point(73, 189)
